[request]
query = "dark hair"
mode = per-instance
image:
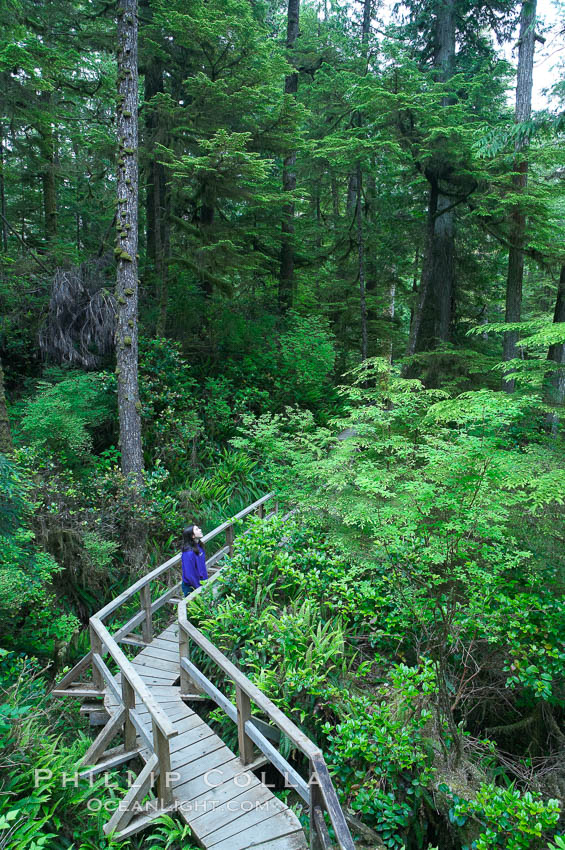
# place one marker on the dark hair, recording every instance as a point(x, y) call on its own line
point(189, 541)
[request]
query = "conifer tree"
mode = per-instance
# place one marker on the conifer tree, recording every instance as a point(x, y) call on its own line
point(286, 278)
point(515, 274)
point(127, 244)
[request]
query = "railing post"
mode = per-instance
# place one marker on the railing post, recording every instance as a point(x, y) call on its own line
point(277, 506)
point(261, 511)
point(229, 539)
point(128, 699)
point(243, 715)
point(147, 624)
point(316, 799)
point(163, 752)
point(96, 647)
point(184, 649)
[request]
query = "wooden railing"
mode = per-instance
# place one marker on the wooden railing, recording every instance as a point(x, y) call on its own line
point(156, 743)
point(318, 792)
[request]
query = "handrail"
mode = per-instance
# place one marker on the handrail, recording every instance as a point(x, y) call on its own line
point(136, 682)
point(158, 571)
point(321, 793)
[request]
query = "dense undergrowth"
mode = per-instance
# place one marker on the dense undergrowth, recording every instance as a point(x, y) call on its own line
point(408, 617)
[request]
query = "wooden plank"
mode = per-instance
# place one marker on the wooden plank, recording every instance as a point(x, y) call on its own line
point(165, 678)
point(203, 682)
point(110, 680)
point(217, 556)
point(162, 747)
point(240, 515)
point(173, 709)
point(221, 794)
point(75, 671)
point(248, 813)
point(100, 743)
point(295, 841)
point(331, 802)
point(292, 777)
point(77, 692)
point(183, 724)
point(283, 823)
point(270, 732)
point(161, 650)
point(206, 774)
point(130, 641)
point(142, 821)
point(243, 715)
point(136, 586)
point(152, 680)
point(128, 701)
point(198, 732)
point(261, 701)
point(133, 677)
point(143, 733)
point(135, 794)
point(98, 718)
point(196, 751)
point(220, 813)
point(322, 829)
point(122, 634)
point(114, 758)
point(156, 653)
point(163, 568)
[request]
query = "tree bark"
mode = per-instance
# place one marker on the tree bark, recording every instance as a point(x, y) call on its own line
point(515, 274)
point(5, 433)
point(3, 227)
point(361, 264)
point(434, 310)
point(127, 242)
point(48, 178)
point(555, 386)
point(286, 276)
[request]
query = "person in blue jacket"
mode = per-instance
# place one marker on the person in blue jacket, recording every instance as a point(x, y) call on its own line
point(193, 559)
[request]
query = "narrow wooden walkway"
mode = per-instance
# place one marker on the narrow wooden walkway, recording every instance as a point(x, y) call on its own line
point(225, 805)
point(187, 768)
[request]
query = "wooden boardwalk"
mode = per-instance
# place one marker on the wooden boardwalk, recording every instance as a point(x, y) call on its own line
point(226, 806)
point(152, 701)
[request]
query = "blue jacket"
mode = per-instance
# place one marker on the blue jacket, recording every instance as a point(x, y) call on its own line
point(194, 567)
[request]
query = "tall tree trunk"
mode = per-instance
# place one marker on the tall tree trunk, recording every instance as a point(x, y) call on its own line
point(555, 386)
point(5, 433)
point(515, 274)
point(361, 264)
point(155, 171)
point(3, 227)
point(163, 264)
point(48, 179)
point(434, 310)
point(126, 251)
point(129, 405)
point(206, 221)
point(286, 276)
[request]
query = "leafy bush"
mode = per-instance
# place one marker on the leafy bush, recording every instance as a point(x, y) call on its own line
point(64, 416)
point(27, 605)
point(506, 817)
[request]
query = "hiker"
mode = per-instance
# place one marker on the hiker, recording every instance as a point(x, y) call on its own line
point(193, 559)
